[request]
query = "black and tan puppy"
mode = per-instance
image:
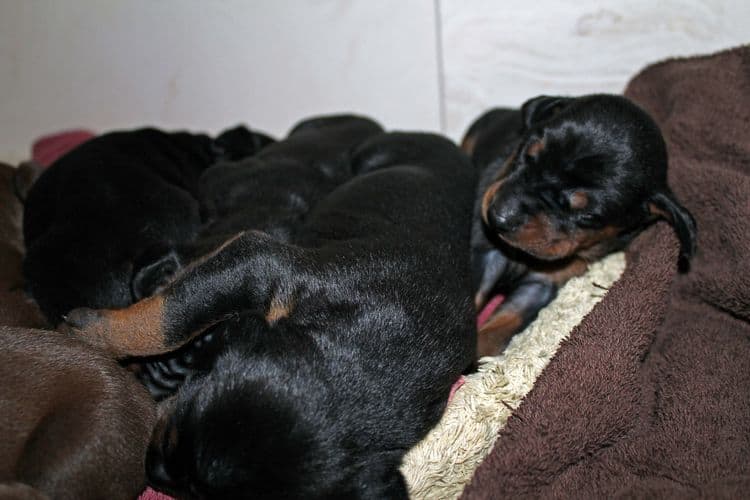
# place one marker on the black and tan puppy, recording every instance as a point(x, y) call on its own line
point(101, 224)
point(564, 181)
point(272, 192)
point(342, 343)
point(73, 424)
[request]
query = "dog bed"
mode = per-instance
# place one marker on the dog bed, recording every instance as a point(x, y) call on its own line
point(649, 396)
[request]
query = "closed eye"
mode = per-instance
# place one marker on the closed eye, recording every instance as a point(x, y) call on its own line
point(551, 200)
point(585, 163)
point(588, 221)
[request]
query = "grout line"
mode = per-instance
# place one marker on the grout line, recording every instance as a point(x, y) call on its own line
point(440, 68)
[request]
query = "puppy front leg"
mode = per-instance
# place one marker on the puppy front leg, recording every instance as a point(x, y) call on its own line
point(519, 308)
point(535, 290)
point(490, 267)
point(247, 273)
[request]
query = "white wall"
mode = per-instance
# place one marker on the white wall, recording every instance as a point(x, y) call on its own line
point(501, 53)
point(209, 64)
point(413, 64)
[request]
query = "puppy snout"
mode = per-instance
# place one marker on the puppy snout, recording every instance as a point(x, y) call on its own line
point(501, 221)
point(505, 216)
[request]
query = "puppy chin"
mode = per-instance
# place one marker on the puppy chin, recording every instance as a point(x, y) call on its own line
point(543, 250)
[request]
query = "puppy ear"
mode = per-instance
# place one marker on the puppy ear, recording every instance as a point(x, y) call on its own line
point(496, 125)
point(664, 205)
point(239, 142)
point(151, 273)
point(542, 108)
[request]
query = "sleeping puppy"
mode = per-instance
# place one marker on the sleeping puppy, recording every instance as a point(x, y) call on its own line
point(113, 209)
point(273, 192)
point(564, 182)
point(342, 344)
point(73, 424)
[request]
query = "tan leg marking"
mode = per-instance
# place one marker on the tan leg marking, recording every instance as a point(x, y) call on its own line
point(278, 309)
point(494, 335)
point(535, 148)
point(136, 330)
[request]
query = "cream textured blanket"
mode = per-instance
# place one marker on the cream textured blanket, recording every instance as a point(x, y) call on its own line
point(442, 464)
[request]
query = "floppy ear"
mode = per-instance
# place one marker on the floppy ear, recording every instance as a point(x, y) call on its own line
point(239, 142)
point(151, 272)
point(541, 108)
point(664, 205)
point(497, 125)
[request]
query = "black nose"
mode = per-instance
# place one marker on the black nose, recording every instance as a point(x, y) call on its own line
point(501, 222)
point(505, 216)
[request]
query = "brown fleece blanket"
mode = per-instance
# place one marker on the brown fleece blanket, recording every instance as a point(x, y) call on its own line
point(650, 396)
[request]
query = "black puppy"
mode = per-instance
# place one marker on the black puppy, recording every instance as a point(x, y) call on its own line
point(271, 192)
point(346, 339)
point(100, 225)
point(275, 189)
point(564, 181)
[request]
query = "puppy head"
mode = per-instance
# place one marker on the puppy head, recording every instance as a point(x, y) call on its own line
point(587, 174)
point(264, 425)
point(215, 441)
point(239, 142)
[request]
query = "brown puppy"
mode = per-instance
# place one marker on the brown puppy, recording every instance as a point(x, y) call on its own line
point(73, 424)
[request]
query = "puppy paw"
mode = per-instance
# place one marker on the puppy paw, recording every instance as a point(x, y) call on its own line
point(89, 325)
point(82, 317)
point(495, 334)
point(136, 330)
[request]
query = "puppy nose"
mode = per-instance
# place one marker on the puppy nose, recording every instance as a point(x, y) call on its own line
point(501, 222)
point(504, 218)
